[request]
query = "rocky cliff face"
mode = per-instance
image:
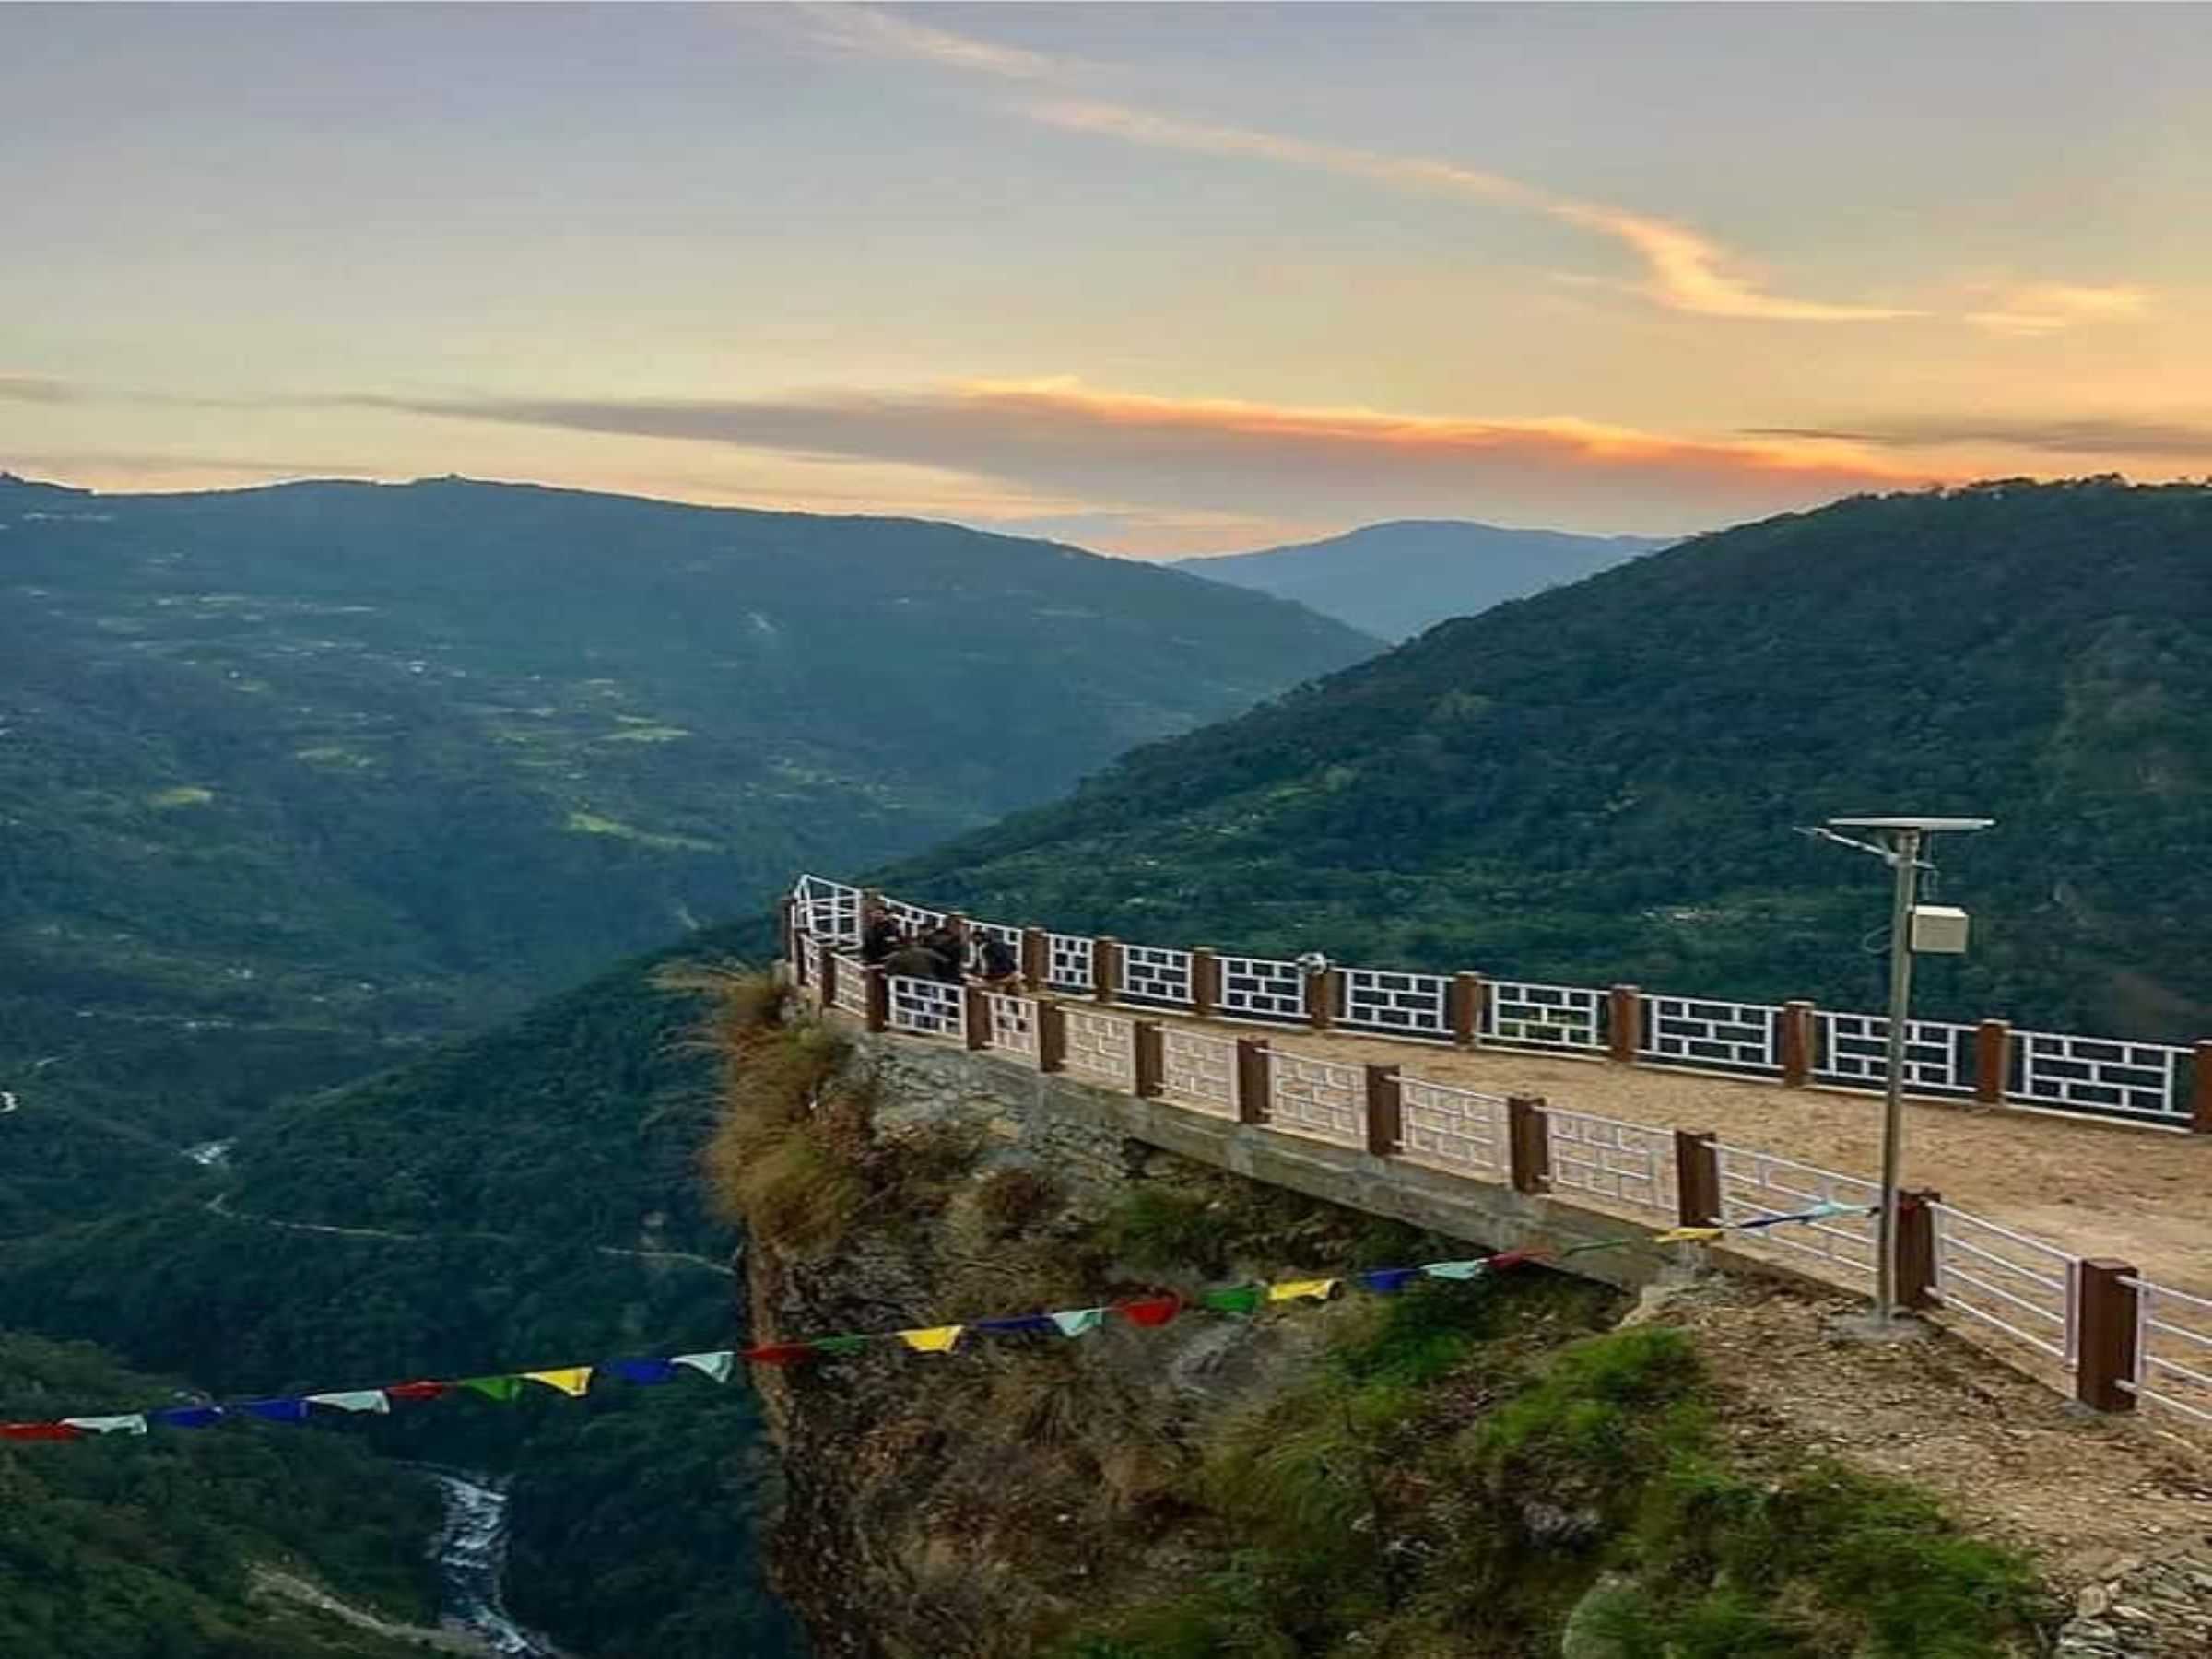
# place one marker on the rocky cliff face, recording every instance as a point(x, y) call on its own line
point(1528, 1464)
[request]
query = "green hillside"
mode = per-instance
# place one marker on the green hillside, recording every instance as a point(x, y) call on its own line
point(523, 1198)
point(294, 778)
point(176, 1546)
point(1598, 783)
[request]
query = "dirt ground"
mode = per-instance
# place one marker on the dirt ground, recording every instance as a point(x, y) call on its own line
point(2084, 1495)
point(2092, 1188)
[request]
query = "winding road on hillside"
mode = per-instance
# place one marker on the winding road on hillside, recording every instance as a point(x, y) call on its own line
point(220, 1206)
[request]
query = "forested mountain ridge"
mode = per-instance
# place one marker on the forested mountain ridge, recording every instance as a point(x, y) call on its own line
point(1396, 579)
point(170, 1546)
point(293, 778)
point(524, 1198)
point(1599, 783)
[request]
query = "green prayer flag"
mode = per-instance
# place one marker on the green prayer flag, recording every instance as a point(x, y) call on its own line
point(842, 1344)
point(494, 1388)
point(1234, 1298)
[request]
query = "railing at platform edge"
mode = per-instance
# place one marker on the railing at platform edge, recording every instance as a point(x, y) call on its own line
point(2095, 1326)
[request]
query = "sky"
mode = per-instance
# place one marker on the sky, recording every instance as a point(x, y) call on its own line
point(1154, 279)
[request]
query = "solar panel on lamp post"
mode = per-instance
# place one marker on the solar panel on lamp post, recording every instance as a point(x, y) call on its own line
point(1899, 845)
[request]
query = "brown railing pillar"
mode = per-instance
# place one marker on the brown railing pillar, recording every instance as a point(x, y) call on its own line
point(2200, 1092)
point(1205, 982)
point(1798, 1033)
point(878, 1002)
point(1147, 1059)
point(1992, 1061)
point(2107, 1356)
point(1052, 1036)
point(1105, 969)
point(1528, 1140)
point(790, 938)
point(870, 900)
point(1463, 1008)
point(1252, 1080)
point(1696, 1179)
point(826, 993)
point(1916, 1248)
point(975, 1016)
point(1036, 958)
point(1321, 998)
point(1385, 1126)
point(1625, 1027)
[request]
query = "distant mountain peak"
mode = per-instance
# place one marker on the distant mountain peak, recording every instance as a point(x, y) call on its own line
point(1402, 576)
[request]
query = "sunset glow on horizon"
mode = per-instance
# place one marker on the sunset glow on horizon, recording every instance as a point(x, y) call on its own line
point(1154, 279)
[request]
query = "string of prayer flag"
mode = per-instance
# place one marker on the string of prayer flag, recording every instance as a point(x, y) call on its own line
point(574, 1382)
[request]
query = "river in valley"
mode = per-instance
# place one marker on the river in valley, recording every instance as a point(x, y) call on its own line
point(471, 1553)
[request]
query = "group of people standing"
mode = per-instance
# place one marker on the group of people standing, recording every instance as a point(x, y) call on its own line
point(947, 952)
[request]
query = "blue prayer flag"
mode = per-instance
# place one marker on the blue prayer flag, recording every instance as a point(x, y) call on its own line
point(1388, 1281)
point(277, 1411)
point(1020, 1322)
point(643, 1370)
point(188, 1417)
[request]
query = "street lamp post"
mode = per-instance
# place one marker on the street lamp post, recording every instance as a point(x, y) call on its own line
point(1900, 844)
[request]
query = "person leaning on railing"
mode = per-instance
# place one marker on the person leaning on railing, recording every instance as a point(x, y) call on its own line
point(879, 935)
point(997, 965)
point(914, 960)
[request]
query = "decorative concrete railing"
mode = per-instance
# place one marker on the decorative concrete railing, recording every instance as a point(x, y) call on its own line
point(1794, 1043)
point(2095, 1326)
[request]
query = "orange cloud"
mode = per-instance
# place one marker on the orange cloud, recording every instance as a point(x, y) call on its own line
point(1126, 451)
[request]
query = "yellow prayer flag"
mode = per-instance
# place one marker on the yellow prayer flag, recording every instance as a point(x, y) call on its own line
point(937, 1340)
point(1686, 1235)
point(571, 1380)
point(1302, 1290)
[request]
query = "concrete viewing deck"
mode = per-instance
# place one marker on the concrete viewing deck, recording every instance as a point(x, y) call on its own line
point(2090, 1186)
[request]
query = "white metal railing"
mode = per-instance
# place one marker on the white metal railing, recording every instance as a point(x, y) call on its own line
point(1101, 1045)
point(2015, 1284)
point(929, 1007)
point(811, 952)
point(1693, 1032)
point(1532, 1016)
point(1013, 1024)
point(828, 909)
point(1261, 988)
point(1399, 1005)
point(853, 985)
point(1755, 1186)
point(1455, 1128)
point(1152, 975)
point(914, 919)
point(2173, 1349)
point(1318, 1098)
point(2096, 1074)
point(2144, 1081)
point(1853, 1049)
point(1197, 1070)
point(1608, 1158)
point(1067, 963)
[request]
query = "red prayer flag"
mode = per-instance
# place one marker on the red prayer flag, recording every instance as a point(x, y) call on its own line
point(1508, 1258)
point(1150, 1310)
point(419, 1391)
point(778, 1353)
point(38, 1431)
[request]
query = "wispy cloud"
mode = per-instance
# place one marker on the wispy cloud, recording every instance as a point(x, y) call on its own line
point(2044, 308)
point(32, 388)
point(1684, 269)
point(864, 30)
point(1226, 456)
point(2086, 435)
